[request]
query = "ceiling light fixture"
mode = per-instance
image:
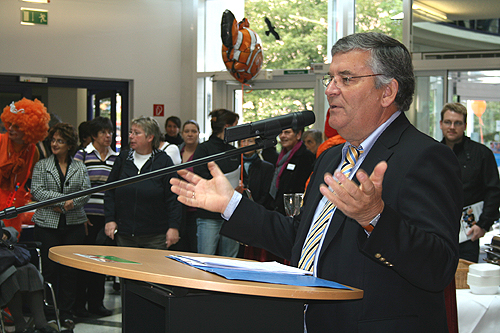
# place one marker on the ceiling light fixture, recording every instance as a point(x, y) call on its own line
point(36, 1)
point(425, 10)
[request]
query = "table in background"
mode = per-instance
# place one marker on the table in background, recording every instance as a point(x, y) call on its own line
point(478, 313)
point(161, 294)
point(486, 239)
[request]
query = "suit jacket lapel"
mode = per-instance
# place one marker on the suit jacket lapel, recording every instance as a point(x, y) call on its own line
point(71, 170)
point(52, 169)
point(380, 151)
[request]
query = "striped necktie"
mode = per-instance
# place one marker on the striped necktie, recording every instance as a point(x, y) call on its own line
point(314, 237)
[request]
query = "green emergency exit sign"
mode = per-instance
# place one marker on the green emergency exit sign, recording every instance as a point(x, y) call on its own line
point(34, 16)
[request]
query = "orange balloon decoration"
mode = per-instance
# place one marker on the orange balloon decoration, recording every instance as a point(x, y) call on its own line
point(241, 48)
point(479, 107)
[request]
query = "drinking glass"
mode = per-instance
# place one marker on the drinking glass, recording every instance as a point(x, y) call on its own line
point(293, 202)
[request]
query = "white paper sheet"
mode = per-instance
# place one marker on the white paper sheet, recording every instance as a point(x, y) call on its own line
point(270, 266)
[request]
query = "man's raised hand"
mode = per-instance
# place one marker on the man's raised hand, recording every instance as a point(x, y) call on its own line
point(213, 195)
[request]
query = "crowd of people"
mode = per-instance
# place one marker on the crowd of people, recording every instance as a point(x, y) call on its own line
point(53, 159)
point(359, 199)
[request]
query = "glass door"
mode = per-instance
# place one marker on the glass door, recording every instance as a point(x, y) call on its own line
point(480, 92)
point(108, 104)
point(428, 101)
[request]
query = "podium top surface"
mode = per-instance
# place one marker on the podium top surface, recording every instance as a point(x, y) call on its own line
point(153, 266)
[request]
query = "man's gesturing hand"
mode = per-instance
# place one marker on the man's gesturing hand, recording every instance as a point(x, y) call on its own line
point(362, 202)
point(213, 195)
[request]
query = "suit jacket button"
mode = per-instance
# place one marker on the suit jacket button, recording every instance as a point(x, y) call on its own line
point(378, 255)
point(382, 259)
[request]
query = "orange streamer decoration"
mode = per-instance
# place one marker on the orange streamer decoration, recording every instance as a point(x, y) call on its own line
point(479, 107)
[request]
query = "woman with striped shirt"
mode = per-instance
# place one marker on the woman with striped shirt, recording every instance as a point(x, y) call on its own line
point(99, 158)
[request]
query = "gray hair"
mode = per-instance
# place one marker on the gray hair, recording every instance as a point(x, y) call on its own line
point(150, 126)
point(388, 57)
point(315, 134)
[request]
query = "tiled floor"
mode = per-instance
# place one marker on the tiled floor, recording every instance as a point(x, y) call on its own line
point(110, 324)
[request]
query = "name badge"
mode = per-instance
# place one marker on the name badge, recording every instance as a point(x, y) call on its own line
point(290, 166)
point(109, 162)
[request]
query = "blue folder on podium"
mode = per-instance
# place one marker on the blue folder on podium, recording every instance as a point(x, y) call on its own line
point(257, 272)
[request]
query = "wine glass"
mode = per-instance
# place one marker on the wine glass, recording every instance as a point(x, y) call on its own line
point(293, 202)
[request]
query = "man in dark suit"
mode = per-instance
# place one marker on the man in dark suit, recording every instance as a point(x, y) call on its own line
point(394, 231)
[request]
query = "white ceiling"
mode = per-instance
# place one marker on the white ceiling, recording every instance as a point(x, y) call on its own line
point(466, 9)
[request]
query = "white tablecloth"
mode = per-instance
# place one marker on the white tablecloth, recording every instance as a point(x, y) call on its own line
point(478, 313)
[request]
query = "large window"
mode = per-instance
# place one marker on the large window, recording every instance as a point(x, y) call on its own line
point(209, 32)
point(380, 16)
point(301, 25)
point(428, 100)
point(304, 29)
point(260, 104)
point(307, 29)
point(480, 92)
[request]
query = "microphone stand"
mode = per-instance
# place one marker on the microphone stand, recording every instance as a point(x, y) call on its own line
point(260, 143)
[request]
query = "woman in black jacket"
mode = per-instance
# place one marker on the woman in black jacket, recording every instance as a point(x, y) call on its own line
point(146, 213)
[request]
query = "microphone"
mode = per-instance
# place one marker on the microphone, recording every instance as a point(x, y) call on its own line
point(269, 128)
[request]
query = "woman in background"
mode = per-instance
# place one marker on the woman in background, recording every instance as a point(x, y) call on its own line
point(191, 137)
point(188, 229)
point(172, 127)
point(172, 150)
point(63, 222)
point(99, 158)
point(146, 213)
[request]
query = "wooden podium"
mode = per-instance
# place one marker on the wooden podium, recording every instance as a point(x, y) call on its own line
point(163, 295)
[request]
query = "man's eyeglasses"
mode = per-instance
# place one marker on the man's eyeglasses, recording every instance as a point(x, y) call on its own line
point(59, 141)
point(456, 123)
point(344, 81)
